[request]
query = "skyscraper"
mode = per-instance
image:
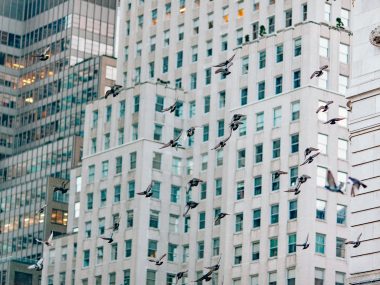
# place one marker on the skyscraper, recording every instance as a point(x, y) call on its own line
point(42, 114)
point(278, 45)
point(364, 131)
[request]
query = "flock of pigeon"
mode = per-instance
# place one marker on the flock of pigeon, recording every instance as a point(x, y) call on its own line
point(310, 154)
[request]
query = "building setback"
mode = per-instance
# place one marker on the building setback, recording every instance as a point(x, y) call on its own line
point(270, 83)
point(365, 143)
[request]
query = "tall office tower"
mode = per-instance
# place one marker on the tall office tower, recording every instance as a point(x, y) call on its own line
point(42, 114)
point(364, 130)
point(278, 45)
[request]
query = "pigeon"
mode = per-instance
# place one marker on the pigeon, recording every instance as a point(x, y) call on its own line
point(219, 217)
point(310, 159)
point(325, 107)
point(174, 143)
point(234, 125)
point(190, 205)
point(349, 106)
point(38, 266)
point(114, 91)
point(47, 242)
point(331, 185)
point(277, 173)
point(110, 239)
point(179, 276)
point(115, 226)
point(171, 108)
point(356, 183)
point(148, 192)
point(224, 66)
point(163, 82)
point(333, 121)
point(309, 150)
point(339, 24)
point(192, 183)
point(207, 277)
point(355, 243)
point(63, 188)
point(222, 143)
point(296, 190)
point(158, 261)
point(186, 135)
point(319, 72)
point(305, 245)
point(300, 180)
point(41, 210)
point(44, 55)
point(237, 117)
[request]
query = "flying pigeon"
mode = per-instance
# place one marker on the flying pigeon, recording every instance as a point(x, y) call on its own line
point(115, 226)
point(114, 91)
point(148, 192)
point(224, 66)
point(47, 242)
point(109, 239)
point(277, 173)
point(62, 188)
point(333, 121)
point(41, 210)
point(237, 117)
point(310, 159)
point(349, 106)
point(223, 142)
point(319, 72)
point(165, 82)
point(300, 180)
point(234, 125)
point(309, 150)
point(305, 245)
point(356, 183)
point(355, 243)
point(179, 276)
point(171, 108)
point(44, 55)
point(219, 217)
point(325, 107)
point(38, 266)
point(190, 205)
point(331, 185)
point(207, 277)
point(174, 143)
point(193, 183)
point(158, 261)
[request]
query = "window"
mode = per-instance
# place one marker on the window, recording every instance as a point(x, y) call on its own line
point(194, 53)
point(116, 195)
point(208, 76)
point(319, 276)
point(274, 214)
point(239, 37)
point(127, 277)
point(165, 64)
point(156, 163)
point(278, 81)
point(185, 255)
point(343, 84)
point(295, 106)
point(340, 278)
point(245, 65)
point(210, 20)
point(104, 169)
point(156, 189)
point(296, 79)
point(131, 189)
point(243, 96)
point(254, 280)
point(324, 46)
point(91, 173)
point(204, 159)
point(259, 153)
point(297, 47)
point(293, 175)
point(193, 81)
point(174, 194)
point(256, 218)
point(186, 224)
point(342, 112)
point(293, 210)
point(203, 192)
point(340, 247)
point(260, 121)
point(276, 117)
point(178, 83)
point(205, 133)
point(257, 185)
point(292, 240)
point(322, 143)
point(215, 246)
point(201, 248)
point(192, 109)
point(90, 201)
point(341, 214)
point(86, 258)
point(276, 148)
point(222, 99)
point(129, 218)
point(150, 277)
point(120, 136)
point(114, 252)
point(180, 32)
point(255, 30)
point(327, 12)
point(176, 166)
point(240, 190)
point(304, 12)
point(238, 256)
point(93, 146)
point(95, 116)
point(321, 210)
point(275, 183)
point(87, 229)
point(101, 226)
point(321, 176)
point(323, 83)
point(320, 243)
point(262, 59)
point(209, 48)
point(136, 103)
point(271, 25)
point(345, 16)
point(152, 248)
point(255, 250)
point(172, 252)
point(279, 53)
point(173, 223)
point(157, 135)
point(220, 128)
point(294, 143)
point(343, 53)
point(166, 38)
point(106, 141)
point(189, 166)
point(273, 243)
point(342, 149)
point(108, 113)
point(291, 277)
point(241, 158)
point(119, 164)
point(224, 42)
point(238, 222)
point(288, 18)
point(342, 178)
point(154, 219)
point(261, 90)
point(202, 220)
point(103, 197)
point(243, 127)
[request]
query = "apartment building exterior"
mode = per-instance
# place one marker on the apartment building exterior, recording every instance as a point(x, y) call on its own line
point(270, 83)
point(42, 115)
point(364, 129)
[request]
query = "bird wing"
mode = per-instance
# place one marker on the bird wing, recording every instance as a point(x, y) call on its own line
point(105, 238)
point(162, 257)
point(152, 260)
point(324, 67)
point(329, 103)
point(306, 161)
point(229, 65)
point(179, 136)
point(166, 145)
point(282, 172)
point(141, 193)
point(38, 240)
point(166, 109)
point(330, 179)
point(314, 74)
point(50, 237)
point(349, 105)
point(319, 109)
point(220, 64)
point(219, 70)
point(328, 122)
point(231, 58)
point(291, 190)
point(359, 237)
point(313, 149)
point(229, 136)
point(46, 50)
point(39, 262)
point(204, 276)
point(307, 238)
point(31, 266)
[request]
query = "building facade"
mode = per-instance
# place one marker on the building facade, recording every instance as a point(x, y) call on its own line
point(42, 115)
point(364, 131)
point(270, 83)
